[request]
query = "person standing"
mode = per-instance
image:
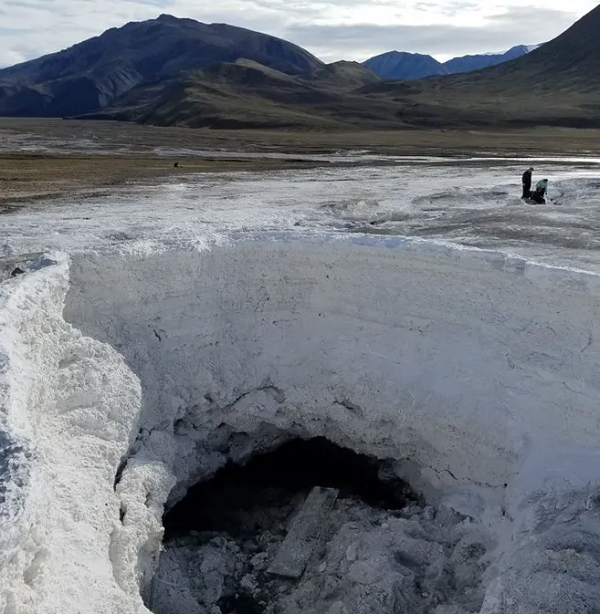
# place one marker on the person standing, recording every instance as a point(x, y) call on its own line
point(527, 183)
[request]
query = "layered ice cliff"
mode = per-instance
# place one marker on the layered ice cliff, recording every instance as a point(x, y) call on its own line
point(127, 378)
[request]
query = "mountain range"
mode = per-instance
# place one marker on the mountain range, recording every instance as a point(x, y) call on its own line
point(469, 63)
point(406, 66)
point(171, 71)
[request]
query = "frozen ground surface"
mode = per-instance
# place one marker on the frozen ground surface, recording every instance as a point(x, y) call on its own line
point(167, 331)
point(468, 202)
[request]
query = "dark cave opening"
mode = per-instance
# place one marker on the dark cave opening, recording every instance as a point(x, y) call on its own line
point(278, 479)
point(262, 539)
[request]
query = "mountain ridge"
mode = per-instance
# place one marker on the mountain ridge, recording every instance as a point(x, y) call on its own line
point(411, 66)
point(93, 73)
point(177, 72)
point(552, 85)
point(469, 63)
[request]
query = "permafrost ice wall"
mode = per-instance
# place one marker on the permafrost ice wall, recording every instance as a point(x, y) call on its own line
point(464, 367)
point(68, 405)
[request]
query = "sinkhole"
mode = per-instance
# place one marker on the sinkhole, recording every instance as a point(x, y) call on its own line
point(380, 365)
point(283, 532)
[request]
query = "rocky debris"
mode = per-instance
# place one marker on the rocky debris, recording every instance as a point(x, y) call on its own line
point(369, 561)
point(304, 533)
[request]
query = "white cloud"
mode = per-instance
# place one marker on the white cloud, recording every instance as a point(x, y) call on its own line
point(332, 29)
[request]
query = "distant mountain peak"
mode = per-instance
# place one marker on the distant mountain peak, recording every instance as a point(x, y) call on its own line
point(469, 63)
point(404, 65)
point(400, 54)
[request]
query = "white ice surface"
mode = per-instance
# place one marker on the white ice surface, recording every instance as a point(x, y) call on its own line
point(468, 202)
point(194, 323)
point(68, 406)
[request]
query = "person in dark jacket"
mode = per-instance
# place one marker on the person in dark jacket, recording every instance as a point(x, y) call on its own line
point(527, 183)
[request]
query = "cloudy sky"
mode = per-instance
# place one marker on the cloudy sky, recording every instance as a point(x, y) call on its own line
point(331, 29)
